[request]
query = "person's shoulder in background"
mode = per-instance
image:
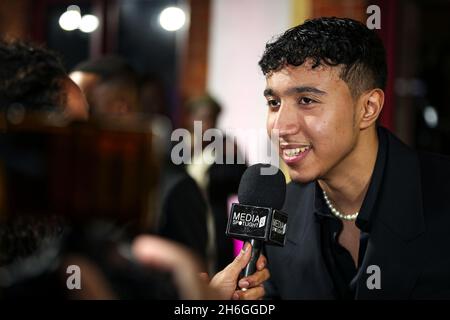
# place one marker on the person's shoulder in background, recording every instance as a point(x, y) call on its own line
point(183, 210)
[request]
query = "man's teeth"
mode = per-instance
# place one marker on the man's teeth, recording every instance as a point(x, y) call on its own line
point(294, 152)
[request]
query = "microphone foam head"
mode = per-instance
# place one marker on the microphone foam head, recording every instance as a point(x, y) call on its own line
point(260, 189)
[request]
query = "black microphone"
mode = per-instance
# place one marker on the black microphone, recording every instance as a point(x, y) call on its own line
point(257, 217)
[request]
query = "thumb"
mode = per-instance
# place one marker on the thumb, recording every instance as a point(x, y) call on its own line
point(241, 260)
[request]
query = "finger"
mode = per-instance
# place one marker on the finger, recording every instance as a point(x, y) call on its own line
point(239, 263)
point(255, 293)
point(261, 263)
point(255, 279)
point(244, 283)
point(204, 277)
point(157, 252)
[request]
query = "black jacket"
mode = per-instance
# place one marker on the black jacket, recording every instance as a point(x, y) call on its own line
point(409, 239)
point(183, 212)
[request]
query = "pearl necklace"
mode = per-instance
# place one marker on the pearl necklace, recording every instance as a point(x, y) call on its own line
point(348, 217)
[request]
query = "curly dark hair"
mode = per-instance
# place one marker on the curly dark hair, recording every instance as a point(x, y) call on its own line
point(22, 235)
point(331, 41)
point(31, 76)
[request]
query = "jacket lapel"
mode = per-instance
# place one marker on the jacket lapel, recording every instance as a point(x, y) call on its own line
point(395, 237)
point(309, 276)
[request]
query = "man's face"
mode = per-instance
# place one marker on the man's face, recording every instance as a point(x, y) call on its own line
point(104, 99)
point(315, 114)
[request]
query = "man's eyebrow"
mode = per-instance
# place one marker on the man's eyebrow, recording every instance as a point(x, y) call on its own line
point(268, 92)
point(295, 90)
point(304, 89)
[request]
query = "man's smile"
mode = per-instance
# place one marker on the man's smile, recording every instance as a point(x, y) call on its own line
point(294, 152)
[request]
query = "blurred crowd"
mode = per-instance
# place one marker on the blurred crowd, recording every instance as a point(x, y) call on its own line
point(87, 180)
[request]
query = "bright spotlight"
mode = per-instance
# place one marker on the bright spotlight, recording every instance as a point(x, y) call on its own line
point(70, 20)
point(172, 18)
point(89, 23)
point(431, 116)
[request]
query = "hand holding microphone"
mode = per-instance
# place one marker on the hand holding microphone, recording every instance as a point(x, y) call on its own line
point(225, 281)
point(257, 218)
point(166, 255)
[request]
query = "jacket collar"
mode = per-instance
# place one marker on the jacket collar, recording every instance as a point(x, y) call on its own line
point(399, 203)
point(398, 220)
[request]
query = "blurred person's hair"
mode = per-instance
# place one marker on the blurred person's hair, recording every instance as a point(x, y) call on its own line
point(107, 67)
point(335, 42)
point(30, 76)
point(204, 101)
point(111, 70)
point(103, 254)
point(23, 235)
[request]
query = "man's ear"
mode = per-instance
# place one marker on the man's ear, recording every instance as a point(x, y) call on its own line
point(371, 105)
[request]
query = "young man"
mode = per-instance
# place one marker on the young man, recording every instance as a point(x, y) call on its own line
point(368, 217)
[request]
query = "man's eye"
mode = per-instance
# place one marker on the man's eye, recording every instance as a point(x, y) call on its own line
point(273, 103)
point(306, 100)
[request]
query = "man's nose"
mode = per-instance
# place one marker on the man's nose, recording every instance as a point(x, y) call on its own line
point(286, 121)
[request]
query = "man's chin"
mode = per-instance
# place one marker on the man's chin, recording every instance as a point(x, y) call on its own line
point(302, 176)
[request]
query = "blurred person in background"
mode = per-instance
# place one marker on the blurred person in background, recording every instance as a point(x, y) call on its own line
point(153, 103)
point(32, 82)
point(36, 250)
point(112, 89)
point(110, 85)
point(218, 179)
point(152, 96)
point(34, 77)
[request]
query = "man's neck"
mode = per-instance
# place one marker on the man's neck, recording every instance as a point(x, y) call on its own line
point(347, 183)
